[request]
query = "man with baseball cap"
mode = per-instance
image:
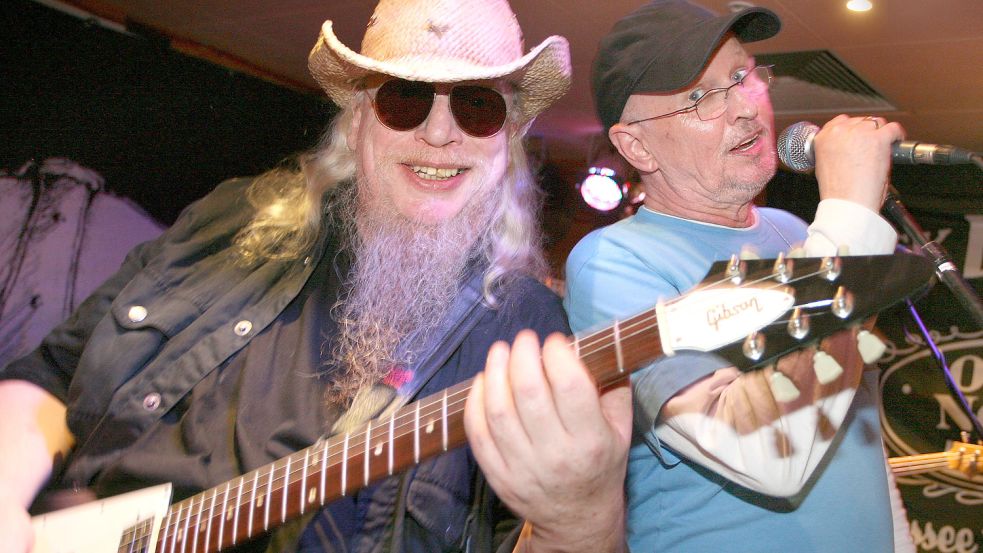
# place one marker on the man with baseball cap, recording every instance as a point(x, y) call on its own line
point(782, 459)
point(388, 264)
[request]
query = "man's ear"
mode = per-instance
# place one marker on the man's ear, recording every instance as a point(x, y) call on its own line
point(632, 146)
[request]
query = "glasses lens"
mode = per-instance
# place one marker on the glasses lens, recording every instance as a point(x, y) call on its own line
point(479, 111)
point(402, 105)
point(762, 76)
point(712, 104)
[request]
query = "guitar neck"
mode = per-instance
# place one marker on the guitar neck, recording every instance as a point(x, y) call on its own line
point(272, 495)
point(963, 457)
point(917, 464)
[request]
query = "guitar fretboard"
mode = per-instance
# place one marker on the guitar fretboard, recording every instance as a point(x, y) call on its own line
point(269, 496)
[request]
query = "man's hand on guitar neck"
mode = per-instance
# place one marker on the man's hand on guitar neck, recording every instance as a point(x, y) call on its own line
point(552, 449)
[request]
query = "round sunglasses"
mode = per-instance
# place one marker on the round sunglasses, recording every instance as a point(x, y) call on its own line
point(402, 105)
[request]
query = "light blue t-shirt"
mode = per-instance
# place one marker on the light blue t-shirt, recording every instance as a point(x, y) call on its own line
point(675, 505)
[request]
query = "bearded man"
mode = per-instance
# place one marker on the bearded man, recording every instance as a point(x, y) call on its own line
point(385, 265)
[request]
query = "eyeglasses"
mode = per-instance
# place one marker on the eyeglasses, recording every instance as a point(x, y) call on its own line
point(402, 105)
point(713, 103)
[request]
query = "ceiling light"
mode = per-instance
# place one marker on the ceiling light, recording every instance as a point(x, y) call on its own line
point(859, 5)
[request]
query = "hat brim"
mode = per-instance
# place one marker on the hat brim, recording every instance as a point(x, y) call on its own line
point(542, 76)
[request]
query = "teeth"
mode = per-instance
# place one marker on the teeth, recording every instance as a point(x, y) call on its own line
point(435, 173)
point(746, 145)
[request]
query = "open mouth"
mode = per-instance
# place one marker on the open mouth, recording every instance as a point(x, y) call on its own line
point(746, 145)
point(435, 173)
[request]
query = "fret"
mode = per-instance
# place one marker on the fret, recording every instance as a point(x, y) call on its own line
point(576, 346)
point(266, 502)
point(365, 456)
point(235, 522)
point(224, 515)
point(416, 434)
point(344, 465)
point(443, 415)
point(211, 515)
point(193, 535)
point(177, 529)
point(252, 503)
point(165, 530)
point(617, 347)
point(187, 522)
point(392, 427)
point(285, 489)
point(324, 468)
point(303, 482)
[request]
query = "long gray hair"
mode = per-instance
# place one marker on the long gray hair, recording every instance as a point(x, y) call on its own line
point(289, 203)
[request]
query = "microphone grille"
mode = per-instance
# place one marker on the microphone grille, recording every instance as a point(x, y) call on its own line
point(795, 146)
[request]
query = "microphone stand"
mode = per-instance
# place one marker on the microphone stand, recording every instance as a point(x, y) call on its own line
point(946, 270)
point(948, 273)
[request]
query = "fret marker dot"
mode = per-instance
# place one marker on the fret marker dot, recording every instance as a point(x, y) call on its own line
point(228, 515)
point(429, 428)
point(311, 495)
point(259, 502)
point(378, 450)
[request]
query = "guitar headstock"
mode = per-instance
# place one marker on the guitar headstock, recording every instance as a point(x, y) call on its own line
point(966, 458)
point(754, 311)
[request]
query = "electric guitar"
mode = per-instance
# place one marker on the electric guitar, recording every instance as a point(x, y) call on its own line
point(749, 312)
point(965, 457)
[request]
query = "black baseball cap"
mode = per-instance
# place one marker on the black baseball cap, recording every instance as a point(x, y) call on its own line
point(663, 46)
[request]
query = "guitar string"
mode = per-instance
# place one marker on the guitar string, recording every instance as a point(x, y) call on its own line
point(922, 463)
point(589, 348)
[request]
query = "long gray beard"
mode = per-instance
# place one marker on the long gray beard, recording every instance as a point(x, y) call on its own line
point(404, 279)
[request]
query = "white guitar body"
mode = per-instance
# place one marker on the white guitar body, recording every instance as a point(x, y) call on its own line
point(101, 526)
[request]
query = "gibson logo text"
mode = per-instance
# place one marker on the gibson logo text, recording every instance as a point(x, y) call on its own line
point(723, 312)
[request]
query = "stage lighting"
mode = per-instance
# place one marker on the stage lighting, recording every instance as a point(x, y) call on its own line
point(601, 190)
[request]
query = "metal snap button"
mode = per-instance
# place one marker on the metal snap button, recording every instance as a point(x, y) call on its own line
point(151, 401)
point(243, 327)
point(137, 313)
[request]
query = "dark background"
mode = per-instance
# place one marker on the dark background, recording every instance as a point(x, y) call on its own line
point(163, 128)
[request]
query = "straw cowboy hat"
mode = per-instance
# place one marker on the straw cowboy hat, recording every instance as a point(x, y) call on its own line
point(445, 41)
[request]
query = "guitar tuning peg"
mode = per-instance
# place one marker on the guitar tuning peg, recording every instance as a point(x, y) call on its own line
point(736, 270)
point(826, 367)
point(754, 346)
point(782, 269)
point(831, 267)
point(842, 305)
point(871, 347)
point(783, 388)
point(798, 324)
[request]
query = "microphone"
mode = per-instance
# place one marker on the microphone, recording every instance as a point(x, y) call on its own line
point(796, 151)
